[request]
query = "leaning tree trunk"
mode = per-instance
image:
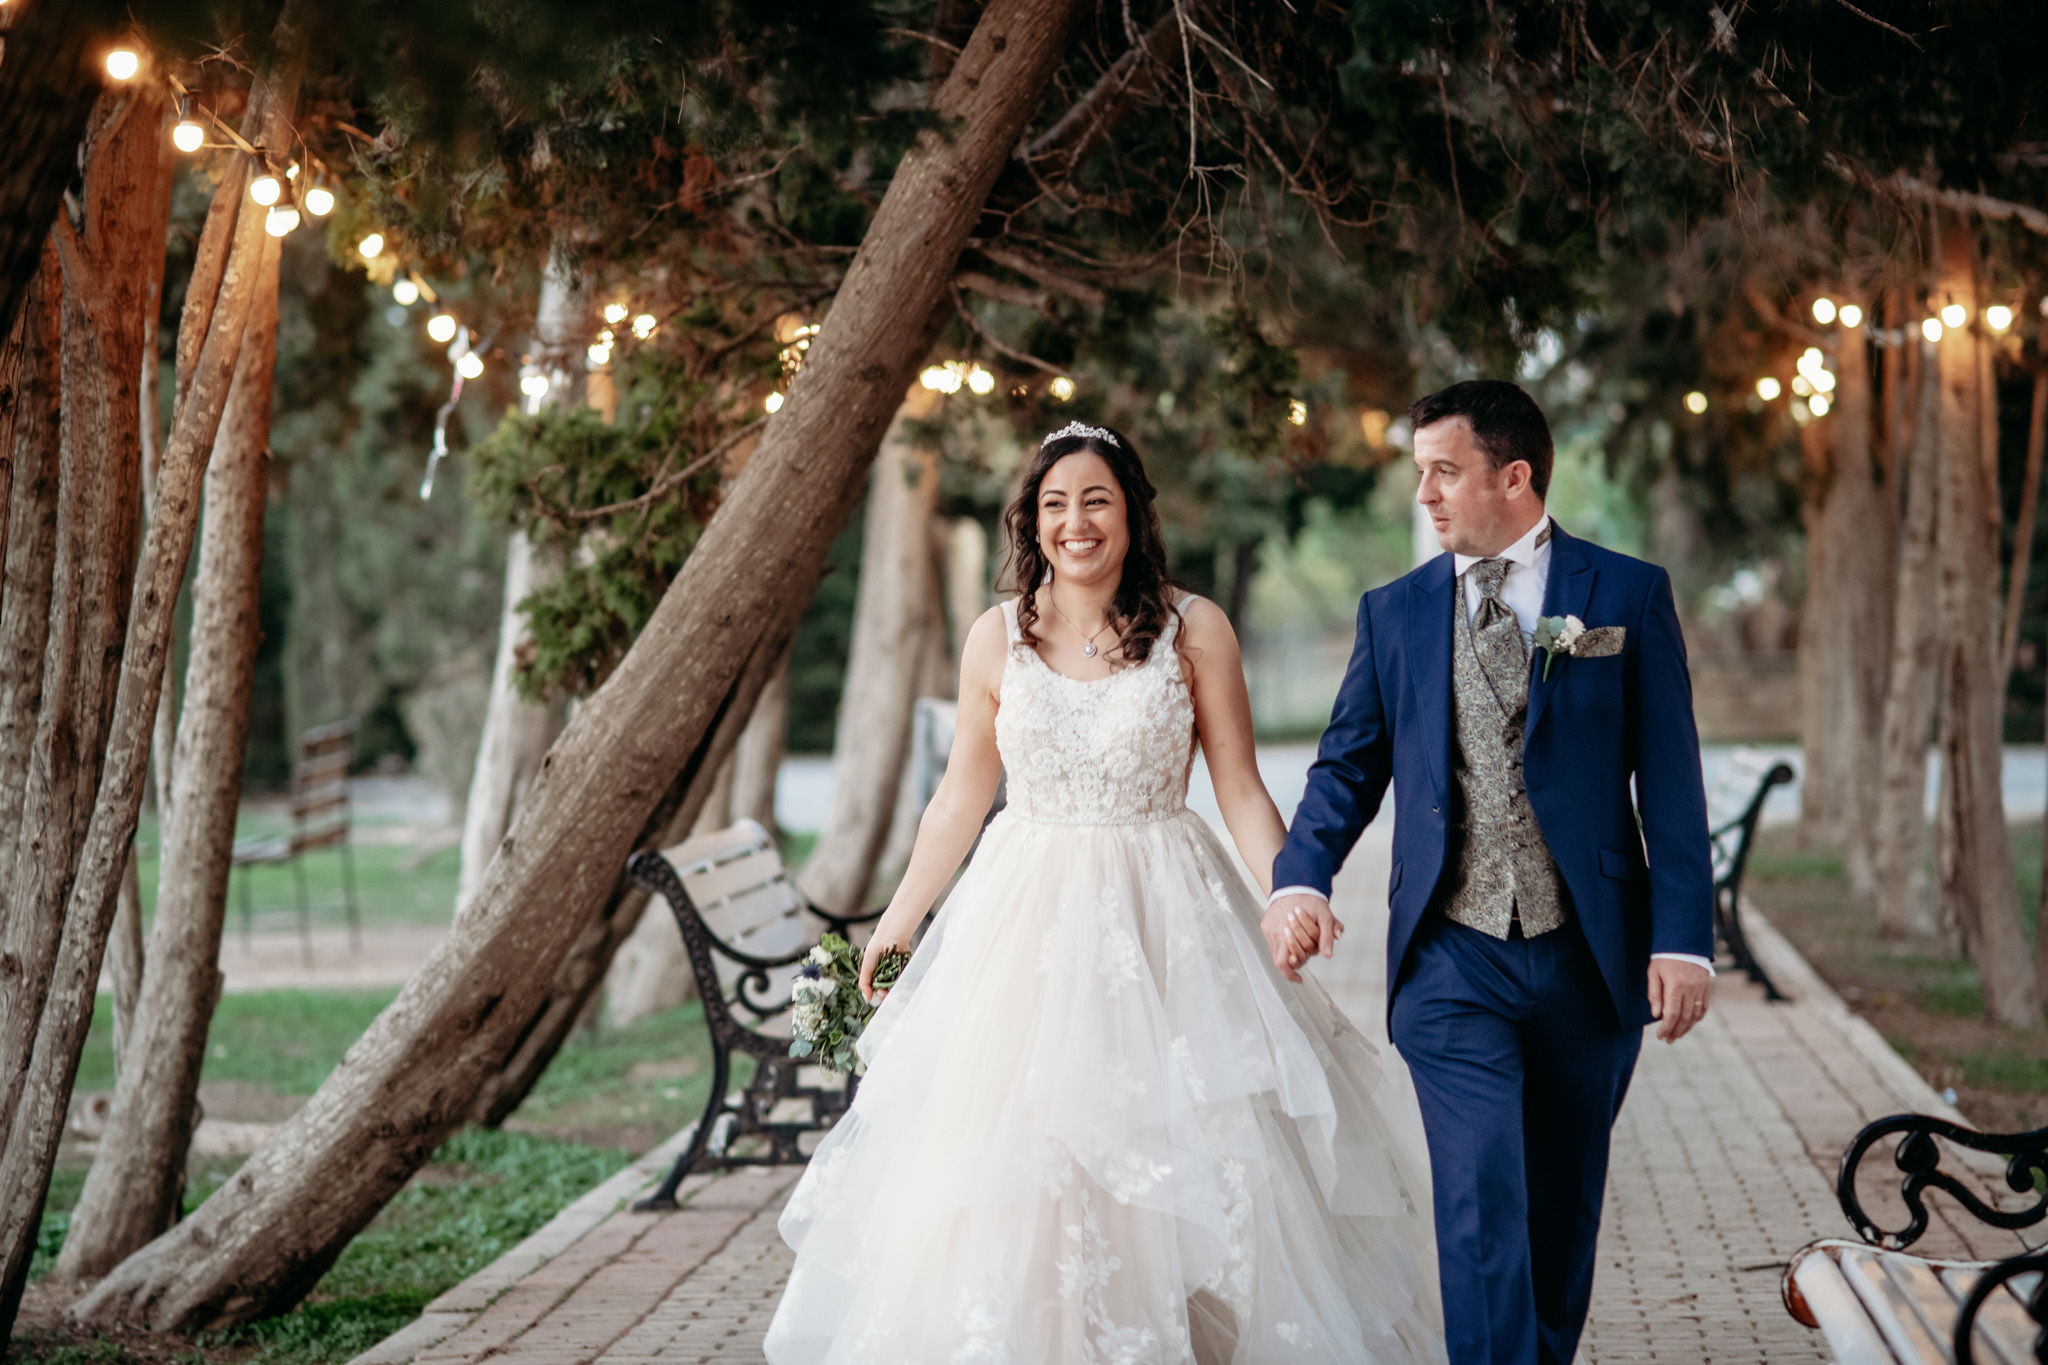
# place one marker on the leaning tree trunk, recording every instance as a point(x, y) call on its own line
point(102, 659)
point(893, 615)
point(263, 1240)
point(1971, 845)
point(132, 1191)
point(757, 762)
point(1900, 834)
point(517, 732)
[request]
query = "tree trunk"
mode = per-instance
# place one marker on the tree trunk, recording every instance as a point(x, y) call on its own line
point(893, 618)
point(1971, 845)
point(124, 958)
point(77, 826)
point(264, 1238)
point(2023, 534)
point(757, 762)
point(132, 1191)
point(517, 732)
point(935, 678)
point(48, 84)
point(1900, 839)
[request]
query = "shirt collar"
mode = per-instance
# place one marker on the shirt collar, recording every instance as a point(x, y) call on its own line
point(1525, 553)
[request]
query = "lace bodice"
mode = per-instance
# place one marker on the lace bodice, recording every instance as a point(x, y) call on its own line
point(1100, 751)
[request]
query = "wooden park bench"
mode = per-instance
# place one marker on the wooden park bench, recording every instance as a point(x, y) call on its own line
point(319, 819)
point(1878, 1304)
point(746, 928)
point(1735, 808)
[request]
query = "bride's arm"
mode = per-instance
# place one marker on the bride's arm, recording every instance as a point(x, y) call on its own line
point(1223, 721)
point(953, 818)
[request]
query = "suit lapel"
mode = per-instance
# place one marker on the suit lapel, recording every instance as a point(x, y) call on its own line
point(1429, 662)
point(1566, 594)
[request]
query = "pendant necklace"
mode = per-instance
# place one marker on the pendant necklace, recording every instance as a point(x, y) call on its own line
point(1088, 643)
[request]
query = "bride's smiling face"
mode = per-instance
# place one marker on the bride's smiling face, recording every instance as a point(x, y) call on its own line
point(1083, 526)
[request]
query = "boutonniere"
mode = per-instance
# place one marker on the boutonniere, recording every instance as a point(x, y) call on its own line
point(1568, 635)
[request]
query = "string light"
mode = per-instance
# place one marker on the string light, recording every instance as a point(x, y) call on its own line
point(981, 381)
point(470, 366)
point(1695, 402)
point(441, 327)
point(1801, 385)
point(1818, 405)
point(1851, 316)
point(1062, 388)
point(599, 355)
point(940, 378)
point(772, 403)
point(1823, 310)
point(406, 293)
point(1998, 317)
point(615, 312)
point(281, 221)
point(643, 326)
point(371, 247)
point(1931, 329)
point(291, 172)
point(188, 136)
point(1297, 412)
point(267, 190)
point(1955, 315)
point(319, 201)
point(534, 386)
point(123, 63)
point(1768, 388)
point(1823, 381)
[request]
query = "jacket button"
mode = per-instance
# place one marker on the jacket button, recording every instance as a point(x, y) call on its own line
point(1436, 810)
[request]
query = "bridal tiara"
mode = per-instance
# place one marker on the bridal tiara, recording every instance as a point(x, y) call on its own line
point(1081, 429)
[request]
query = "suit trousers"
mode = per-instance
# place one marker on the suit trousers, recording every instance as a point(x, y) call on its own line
point(1521, 1069)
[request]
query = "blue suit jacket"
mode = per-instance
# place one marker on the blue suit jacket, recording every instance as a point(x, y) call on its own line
point(1638, 867)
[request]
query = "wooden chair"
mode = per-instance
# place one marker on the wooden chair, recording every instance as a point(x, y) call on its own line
point(320, 819)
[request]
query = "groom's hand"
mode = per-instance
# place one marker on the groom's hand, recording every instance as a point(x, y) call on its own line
point(1678, 996)
point(1297, 927)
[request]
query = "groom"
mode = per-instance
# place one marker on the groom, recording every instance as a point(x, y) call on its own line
point(1540, 916)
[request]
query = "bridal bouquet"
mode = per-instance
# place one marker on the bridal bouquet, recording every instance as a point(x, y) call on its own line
point(827, 1013)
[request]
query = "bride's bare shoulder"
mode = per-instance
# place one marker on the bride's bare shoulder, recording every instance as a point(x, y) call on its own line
point(1203, 623)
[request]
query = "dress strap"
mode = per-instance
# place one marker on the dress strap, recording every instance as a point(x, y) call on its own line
point(1010, 631)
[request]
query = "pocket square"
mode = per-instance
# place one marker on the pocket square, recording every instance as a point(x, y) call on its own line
point(1599, 642)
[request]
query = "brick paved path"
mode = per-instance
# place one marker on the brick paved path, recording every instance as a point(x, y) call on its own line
point(1724, 1165)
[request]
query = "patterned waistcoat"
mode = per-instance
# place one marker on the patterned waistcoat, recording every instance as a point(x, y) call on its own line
point(1501, 869)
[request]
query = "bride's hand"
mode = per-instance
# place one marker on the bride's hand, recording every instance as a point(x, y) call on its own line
point(1278, 928)
point(870, 959)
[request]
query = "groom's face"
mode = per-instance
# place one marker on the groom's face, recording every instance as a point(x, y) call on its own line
point(1475, 508)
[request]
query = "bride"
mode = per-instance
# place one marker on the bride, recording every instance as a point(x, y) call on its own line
point(1098, 1124)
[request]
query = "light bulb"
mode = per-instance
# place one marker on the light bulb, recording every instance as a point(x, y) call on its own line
point(1851, 316)
point(1297, 412)
point(1062, 388)
point(534, 386)
point(266, 189)
point(981, 381)
point(281, 221)
point(1801, 385)
point(1818, 405)
point(441, 327)
point(371, 246)
point(319, 201)
point(1695, 402)
point(123, 63)
point(1823, 310)
point(1998, 317)
point(1824, 381)
point(1810, 358)
point(615, 312)
point(932, 377)
point(599, 355)
point(406, 293)
point(470, 366)
point(1768, 388)
point(188, 136)
point(1955, 315)
point(1931, 329)
point(643, 326)
point(291, 172)
point(772, 403)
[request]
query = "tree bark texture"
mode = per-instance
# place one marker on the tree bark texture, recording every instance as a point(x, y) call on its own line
point(1900, 838)
point(894, 616)
point(757, 762)
point(517, 732)
point(124, 956)
point(2023, 533)
point(265, 1238)
point(49, 82)
point(1972, 849)
point(131, 1192)
point(72, 843)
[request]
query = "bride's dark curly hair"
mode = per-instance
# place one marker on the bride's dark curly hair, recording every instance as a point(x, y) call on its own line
point(1144, 597)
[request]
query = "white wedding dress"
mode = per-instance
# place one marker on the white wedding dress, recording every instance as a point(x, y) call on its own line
point(1097, 1124)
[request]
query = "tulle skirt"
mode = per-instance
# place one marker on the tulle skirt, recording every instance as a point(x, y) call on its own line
point(1097, 1125)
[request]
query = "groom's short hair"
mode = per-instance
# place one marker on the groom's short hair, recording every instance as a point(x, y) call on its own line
point(1506, 423)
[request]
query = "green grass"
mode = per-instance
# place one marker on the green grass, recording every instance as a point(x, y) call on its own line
point(284, 1041)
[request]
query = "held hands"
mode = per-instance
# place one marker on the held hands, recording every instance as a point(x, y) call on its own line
point(1298, 927)
point(1678, 996)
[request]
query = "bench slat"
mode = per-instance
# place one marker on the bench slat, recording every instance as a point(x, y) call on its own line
point(712, 885)
point(694, 854)
point(1892, 1309)
point(1850, 1334)
point(2004, 1330)
point(1931, 1298)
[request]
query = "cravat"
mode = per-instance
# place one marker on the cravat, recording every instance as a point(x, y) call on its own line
point(1497, 637)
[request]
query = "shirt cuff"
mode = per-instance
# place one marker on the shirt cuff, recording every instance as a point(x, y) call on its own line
point(1280, 891)
point(1694, 958)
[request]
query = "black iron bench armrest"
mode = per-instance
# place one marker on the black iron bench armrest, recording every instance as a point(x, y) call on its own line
point(1918, 1154)
point(842, 924)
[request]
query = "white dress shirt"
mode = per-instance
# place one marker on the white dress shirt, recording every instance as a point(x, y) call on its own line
point(1522, 593)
